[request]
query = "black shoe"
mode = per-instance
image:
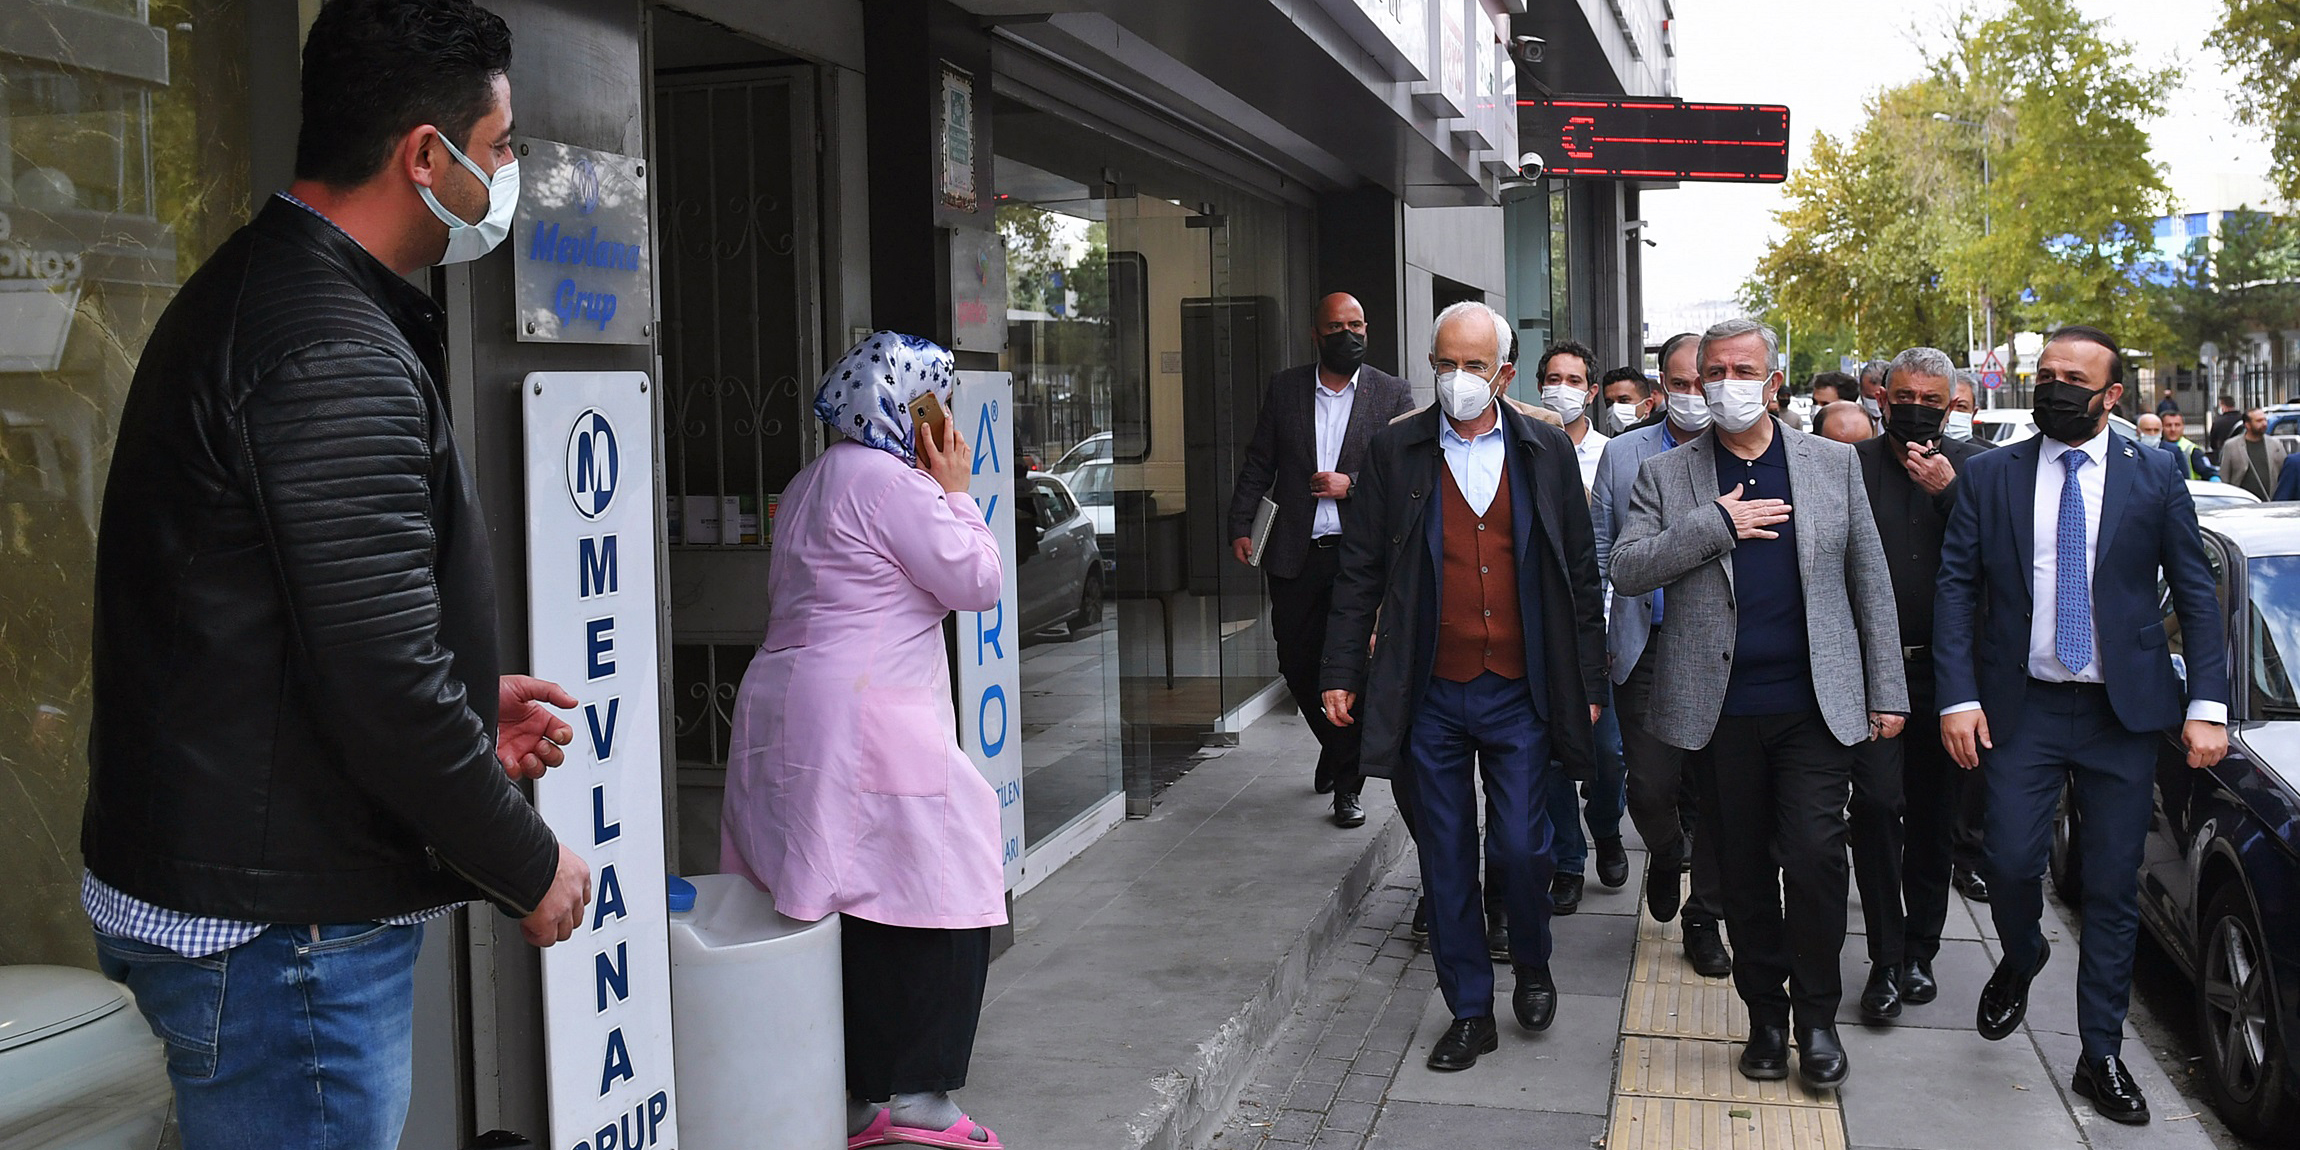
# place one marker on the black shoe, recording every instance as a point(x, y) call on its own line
point(1565, 893)
point(1664, 884)
point(1705, 949)
point(1821, 1063)
point(1969, 884)
point(1535, 999)
point(1497, 936)
point(1421, 924)
point(1463, 1042)
point(1323, 781)
point(1881, 999)
point(1765, 1057)
point(1348, 812)
point(2004, 1001)
point(1612, 862)
point(2109, 1087)
point(1917, 985)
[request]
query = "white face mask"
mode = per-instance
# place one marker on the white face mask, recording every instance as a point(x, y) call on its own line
point(1567, 402)
point(467, 241)
point(1870, 406)
point(1736, 404)
point(1688, 412)
point(2151, 440)
point(1959, 425)
point(1463, 395)
point(1624, 414)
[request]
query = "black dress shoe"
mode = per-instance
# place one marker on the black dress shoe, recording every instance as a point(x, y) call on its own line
point(1765, 1057)
point(1497, 936)
point(1535, 999)
point(1612, 862)
point(1821, 1063)
point(2004, 1001)
point(1970, 884)
point(1881, 999)
point(1420, 928)
point(1565, 893)
point(1463, 1042)
point(1323, 781)
point(1664, 885)
point(2108, 1085)
point(1348, 812)
point(1705, 949)
point(1917, 985)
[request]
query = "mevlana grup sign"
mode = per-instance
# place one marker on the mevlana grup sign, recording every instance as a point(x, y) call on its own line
point(591, 613)
point(989, 645)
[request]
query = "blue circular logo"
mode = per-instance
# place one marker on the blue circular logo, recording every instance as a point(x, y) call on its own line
point(593, 463)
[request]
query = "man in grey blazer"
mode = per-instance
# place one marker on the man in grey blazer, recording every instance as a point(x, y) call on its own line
point(1771, 687)
point(1657, 770)
point(1308, 444)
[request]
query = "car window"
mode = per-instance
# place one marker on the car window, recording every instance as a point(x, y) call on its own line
point(1058, 507)
point(2174, 641)
point(2274, 627)
point(1091, 484)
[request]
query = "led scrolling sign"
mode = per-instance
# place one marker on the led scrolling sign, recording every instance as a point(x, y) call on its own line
point(1647, 138)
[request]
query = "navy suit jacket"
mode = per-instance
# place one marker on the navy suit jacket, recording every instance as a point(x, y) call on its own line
point(2147, 524)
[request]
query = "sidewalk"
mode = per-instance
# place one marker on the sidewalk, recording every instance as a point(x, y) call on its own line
point(1641, 1055)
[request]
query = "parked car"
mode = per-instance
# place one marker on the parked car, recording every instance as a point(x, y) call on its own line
point(2220, 878)
point(1094, 486)
point(2002, 425)
point(2211, 496)
point(1059, 578)
point(1093, 447)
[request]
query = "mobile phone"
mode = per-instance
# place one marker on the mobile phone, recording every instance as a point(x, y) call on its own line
point(926, 415)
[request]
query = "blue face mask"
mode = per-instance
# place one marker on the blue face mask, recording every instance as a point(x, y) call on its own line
point(468, 241)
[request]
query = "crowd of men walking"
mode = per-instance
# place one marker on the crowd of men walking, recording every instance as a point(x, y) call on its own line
point(1797, 661)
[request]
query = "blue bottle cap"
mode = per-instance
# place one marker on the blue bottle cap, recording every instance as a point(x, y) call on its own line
point(682, 894)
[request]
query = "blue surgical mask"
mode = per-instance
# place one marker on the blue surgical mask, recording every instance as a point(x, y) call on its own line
point(468, 241)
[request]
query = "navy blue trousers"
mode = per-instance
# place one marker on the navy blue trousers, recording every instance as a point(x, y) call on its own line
point(1485, 726)
point(2069, 731)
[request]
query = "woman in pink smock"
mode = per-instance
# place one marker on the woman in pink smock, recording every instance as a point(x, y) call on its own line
point(847, 793)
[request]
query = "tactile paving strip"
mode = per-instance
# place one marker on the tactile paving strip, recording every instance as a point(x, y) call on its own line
point(1693, 1124)
point(1679, 1003)
point(1690, 1068)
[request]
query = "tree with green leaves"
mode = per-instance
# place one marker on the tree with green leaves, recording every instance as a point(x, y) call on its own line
point(2261, 41)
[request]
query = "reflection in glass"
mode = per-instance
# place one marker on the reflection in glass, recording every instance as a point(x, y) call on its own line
point(2275, 627)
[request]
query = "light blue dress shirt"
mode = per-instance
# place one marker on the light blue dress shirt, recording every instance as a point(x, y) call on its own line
point(1475, 463)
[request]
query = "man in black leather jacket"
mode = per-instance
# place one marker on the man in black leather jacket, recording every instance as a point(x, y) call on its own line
point(301, 744)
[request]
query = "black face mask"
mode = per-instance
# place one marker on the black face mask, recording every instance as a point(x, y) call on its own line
point(2066, 412)
point(1914, 422)
point(1342, 351)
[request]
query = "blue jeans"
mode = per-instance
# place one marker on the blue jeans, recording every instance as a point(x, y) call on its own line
point(303, 1037)
point(1603, 798)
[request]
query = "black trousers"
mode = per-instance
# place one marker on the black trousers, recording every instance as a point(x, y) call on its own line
point(913, 1000)
point(1773, 795)
point(1879, 809)
point(1658, 778)
point(1298, 610)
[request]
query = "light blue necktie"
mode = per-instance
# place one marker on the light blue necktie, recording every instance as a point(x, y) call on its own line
point(2072, 598)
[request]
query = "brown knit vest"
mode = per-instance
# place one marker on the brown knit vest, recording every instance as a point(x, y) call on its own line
point(1479, 628)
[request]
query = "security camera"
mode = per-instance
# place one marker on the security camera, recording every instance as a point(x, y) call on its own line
point(1527, 49)
point(1530, 166)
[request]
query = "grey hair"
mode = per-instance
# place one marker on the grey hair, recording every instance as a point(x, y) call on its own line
point(1735, 329)
point(1504, 340)
point(1876, 371)
point(1971, 382)
point(1930, 362)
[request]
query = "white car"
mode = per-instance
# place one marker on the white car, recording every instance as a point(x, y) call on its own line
point(2002, 425)
point(2212, 496)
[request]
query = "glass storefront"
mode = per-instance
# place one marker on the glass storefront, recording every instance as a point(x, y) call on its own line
point(123, 162)
point(1147, 306)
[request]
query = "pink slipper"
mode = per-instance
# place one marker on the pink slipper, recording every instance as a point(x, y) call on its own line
point(875, 1133)
point(960, 1136)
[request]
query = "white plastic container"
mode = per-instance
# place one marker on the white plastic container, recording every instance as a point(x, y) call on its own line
point(79, 1068)
point(758, 1023)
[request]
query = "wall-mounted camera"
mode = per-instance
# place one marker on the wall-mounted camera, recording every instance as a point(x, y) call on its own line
point(1527, 49)
point(1530, 166)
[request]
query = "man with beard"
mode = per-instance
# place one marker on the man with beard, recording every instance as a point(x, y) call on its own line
point(1905, 793)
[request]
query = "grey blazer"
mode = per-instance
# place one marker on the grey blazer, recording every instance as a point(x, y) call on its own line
point(1283, 455)
point(1673, 536)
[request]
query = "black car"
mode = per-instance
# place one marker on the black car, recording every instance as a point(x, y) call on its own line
point(2220, 880)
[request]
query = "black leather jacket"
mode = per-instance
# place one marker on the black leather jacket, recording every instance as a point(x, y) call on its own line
point(295, 661)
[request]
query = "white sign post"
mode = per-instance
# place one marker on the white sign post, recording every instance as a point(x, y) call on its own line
point(591, 527)
point(989, 645)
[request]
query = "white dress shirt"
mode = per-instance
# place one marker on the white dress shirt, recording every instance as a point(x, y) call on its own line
point(2044, 568)
point(1475, 463)
point(1333, 421)
point(1587, 453)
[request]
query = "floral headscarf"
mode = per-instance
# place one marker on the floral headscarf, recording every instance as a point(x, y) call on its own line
point(866, 395)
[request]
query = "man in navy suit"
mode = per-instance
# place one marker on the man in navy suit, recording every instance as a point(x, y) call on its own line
point(2057, 541)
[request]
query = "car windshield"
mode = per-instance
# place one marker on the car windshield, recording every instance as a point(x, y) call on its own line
point(1091, 484)
point(2275, 627)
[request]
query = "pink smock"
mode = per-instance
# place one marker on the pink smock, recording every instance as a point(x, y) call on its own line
point(846, 789)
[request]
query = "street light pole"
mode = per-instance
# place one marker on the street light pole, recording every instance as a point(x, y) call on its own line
point(1988, 302)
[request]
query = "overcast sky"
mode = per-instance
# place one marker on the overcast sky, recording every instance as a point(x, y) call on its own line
point(1824, 58)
